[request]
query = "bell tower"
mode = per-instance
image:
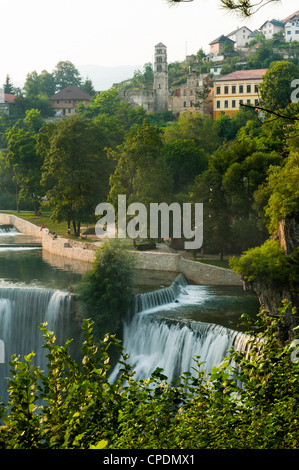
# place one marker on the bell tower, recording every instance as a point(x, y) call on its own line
point(161, 78)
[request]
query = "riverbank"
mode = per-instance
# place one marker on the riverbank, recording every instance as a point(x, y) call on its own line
point(194, 271)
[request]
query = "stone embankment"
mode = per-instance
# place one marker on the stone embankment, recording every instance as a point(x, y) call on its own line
point(195, 272)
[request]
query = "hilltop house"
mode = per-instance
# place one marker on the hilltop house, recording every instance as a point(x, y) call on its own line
point(66, 101)
point(236, 88)
point(217, 45)
point(269, 28)
point(292, 27)
point(240, 36)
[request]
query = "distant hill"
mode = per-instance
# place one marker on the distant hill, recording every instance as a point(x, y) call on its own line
point(104, 77)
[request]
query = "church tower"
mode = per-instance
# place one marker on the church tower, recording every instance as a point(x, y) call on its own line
point(161, 78)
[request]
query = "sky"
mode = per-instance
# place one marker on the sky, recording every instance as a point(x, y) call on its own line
point(92, 34)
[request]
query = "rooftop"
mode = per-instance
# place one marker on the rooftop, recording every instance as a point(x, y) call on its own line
point(243, 75)
point(221, 39)
point(274, 22)
point(293, 16)
point(236, 30)
point(70, 93)
point(7, 97)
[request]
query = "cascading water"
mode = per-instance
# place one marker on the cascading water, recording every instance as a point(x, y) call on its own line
point(171, 344)
point(22, 310)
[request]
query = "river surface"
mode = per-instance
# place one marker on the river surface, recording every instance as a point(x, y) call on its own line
point(35, 287)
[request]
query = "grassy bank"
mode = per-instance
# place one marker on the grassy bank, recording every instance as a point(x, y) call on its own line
point(45, 218)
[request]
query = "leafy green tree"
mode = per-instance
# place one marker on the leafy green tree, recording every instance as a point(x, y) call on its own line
point(201, 129)
point(208, 189)
point(185, 161)
point(106, 290)
point(75, 170)
point(276, 87)
point(141, 174)
point(88, 87)
point(66, 74)
point(282, 187)
point(24, 161)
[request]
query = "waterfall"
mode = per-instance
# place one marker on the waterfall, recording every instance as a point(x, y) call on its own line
point(22, 310)
point(8, 230)
point(159, 297)
point(152, 341)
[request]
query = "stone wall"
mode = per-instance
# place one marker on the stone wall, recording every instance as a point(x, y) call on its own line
point(195, 272)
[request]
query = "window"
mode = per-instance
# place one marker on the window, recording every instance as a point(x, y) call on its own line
point(184, 104)
point(256, 89)
point(218, 104)
point(248, 102)
point(69, 110)
point(159, 68)
point(218, 90)
point(288, 32)
point(248, 88)
point(159, 59)
point(240, 102)
point(233, 103)
point(57, 101)
point(297, 31)
point(234, 89)
point(256, 102)
point(241, 88)
point(226, 90)
point(226, 104)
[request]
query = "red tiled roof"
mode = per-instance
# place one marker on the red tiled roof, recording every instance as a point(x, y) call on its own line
point(243, 75)
point(8, 97)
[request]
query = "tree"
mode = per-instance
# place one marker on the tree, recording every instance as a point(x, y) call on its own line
point(106, 290)
point(23, 159)
point(201, 129)
point(185, 161)
point(75, 170)
point(88, 87)
point(276, 89)
point(141, 174)
point(66, 74)
point(246, 8)
point(8, 86)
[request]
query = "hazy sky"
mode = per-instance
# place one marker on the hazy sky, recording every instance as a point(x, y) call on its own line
point(35, 34)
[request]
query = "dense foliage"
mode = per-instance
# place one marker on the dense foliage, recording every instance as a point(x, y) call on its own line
point(106, 290)
point(250, 401)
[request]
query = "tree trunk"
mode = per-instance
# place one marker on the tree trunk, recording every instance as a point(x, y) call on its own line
point(17, 198)
point(76, 228)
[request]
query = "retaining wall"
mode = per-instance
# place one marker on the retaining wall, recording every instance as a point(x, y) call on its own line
point(195, 272)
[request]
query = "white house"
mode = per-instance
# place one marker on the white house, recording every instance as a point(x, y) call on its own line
point(240, 36)
point(292, 30)
point(216, 70)
point(271, 27)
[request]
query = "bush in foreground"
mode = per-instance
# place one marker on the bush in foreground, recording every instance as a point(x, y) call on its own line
point(251, 401)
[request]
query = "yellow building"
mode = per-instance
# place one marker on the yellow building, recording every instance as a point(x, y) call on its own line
point(236, 88)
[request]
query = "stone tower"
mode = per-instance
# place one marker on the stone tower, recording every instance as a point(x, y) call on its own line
point(161, 78)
